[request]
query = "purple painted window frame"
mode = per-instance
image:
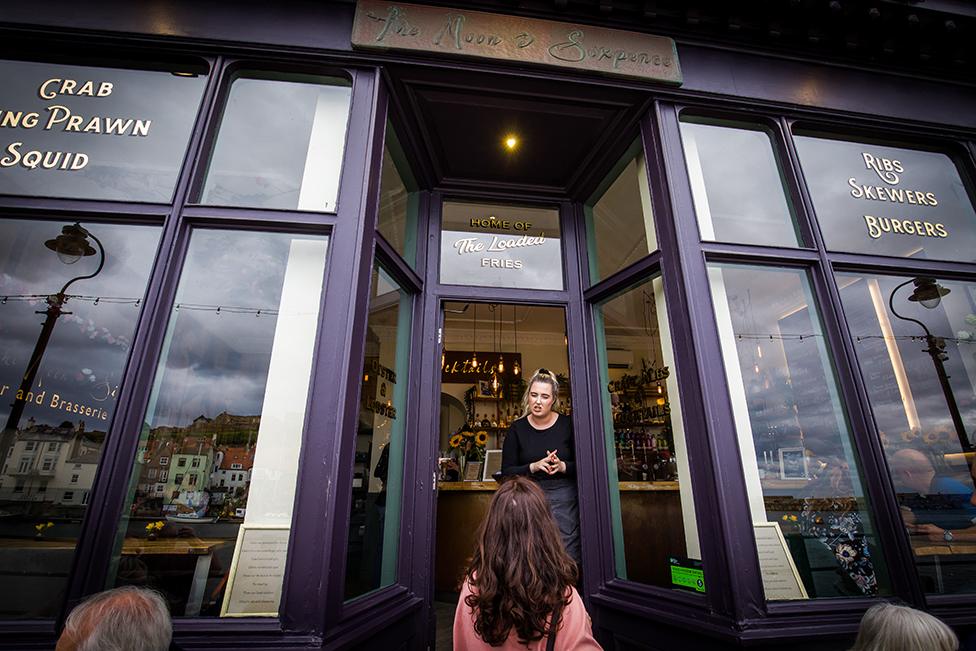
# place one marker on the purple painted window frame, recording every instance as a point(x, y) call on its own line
point(312, 611)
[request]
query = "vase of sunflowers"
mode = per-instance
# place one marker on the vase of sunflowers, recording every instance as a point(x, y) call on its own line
point(153, 529)
point(40, 528)
point(469, 445)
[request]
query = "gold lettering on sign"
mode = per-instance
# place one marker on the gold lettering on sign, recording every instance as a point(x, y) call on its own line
point(889, 171)
point(61, 118)
point(383, 25)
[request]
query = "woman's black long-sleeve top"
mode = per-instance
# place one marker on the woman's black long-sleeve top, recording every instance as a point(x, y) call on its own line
point(525, 444)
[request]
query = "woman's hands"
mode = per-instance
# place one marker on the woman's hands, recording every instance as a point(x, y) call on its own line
point(549, 464)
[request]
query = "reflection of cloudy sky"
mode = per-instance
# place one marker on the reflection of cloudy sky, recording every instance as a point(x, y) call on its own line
point(219, 362)
point(792, 372)
point(89, 347)
point(745, 192)
point(263, 143)
point(945, 320)
point(120, 167)
point(828, 164)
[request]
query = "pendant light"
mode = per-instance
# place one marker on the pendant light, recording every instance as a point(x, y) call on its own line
point(516, 369)
point(474, 338)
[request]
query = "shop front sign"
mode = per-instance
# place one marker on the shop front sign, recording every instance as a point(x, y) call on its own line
point(888, 200)
point(501, 246)
point(396, 26)
point(94, 133)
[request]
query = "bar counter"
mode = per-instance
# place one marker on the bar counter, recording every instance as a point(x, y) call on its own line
point(650, 511)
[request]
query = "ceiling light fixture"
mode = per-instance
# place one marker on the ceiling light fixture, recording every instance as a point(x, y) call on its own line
point(511, 142)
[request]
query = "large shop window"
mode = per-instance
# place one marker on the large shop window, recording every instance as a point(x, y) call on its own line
point(812, 522)
point(655, 529)
point(501, 246)
point(95, 133)
point(397, 219)
point(888, 200)
point(280, 143)
point(374, 522)
point(621, 220)
point(915, 340)
point(736, 183)
point(69, 301)
point(211, 494)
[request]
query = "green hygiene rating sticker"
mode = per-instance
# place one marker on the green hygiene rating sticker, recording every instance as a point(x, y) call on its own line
point(687, 573)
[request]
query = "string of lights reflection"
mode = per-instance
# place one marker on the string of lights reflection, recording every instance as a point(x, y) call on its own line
point(136, 302)
point(780, 337)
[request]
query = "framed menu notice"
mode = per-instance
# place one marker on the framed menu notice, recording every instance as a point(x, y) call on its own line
point(256, 572)
point(472, 471)
point(780, 578)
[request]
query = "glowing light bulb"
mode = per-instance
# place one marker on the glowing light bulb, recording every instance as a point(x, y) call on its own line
point(501, 365)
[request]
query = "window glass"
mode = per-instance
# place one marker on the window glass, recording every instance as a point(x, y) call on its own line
point(915, 340)
point(67, 319)
point(812, 521)
point(280, 143)
point(397, 220)
point(501, 246)
point(621, 221)
point(655, 530)
point(872, 198)
point(374, 522)
point(231, 388)
point(95, 133)
point(738, 190)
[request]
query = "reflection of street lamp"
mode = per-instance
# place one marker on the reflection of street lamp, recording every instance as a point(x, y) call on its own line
point(928, 293)
point(71, 245)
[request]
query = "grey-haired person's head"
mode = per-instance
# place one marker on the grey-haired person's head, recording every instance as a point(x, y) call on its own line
point(887, 627)
point(122, 619)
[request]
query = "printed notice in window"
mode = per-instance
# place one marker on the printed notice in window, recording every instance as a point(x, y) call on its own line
point(780, 577)
point(257, 572)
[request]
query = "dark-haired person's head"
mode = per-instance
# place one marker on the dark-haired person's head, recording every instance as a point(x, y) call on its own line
point(520, 572)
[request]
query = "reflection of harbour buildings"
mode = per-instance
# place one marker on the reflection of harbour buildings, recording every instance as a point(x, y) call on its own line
point(51, 464)
point(201, 466)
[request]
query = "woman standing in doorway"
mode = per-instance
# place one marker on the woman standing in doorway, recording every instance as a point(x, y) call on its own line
point(540, 445)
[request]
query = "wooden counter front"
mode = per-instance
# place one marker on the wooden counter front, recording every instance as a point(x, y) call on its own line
point(651, 514)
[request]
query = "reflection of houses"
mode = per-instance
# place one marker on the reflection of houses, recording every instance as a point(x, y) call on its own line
point(190, 467)
point(51, 464)
point(154, 474)
point(214, 455)
point(233, 468)
point(232, 473)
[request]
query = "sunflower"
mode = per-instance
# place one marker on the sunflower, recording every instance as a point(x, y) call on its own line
point(456, 440)
point(481, 438)
point(467, 433)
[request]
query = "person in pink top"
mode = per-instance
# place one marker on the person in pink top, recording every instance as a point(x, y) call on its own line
point(520, 575)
